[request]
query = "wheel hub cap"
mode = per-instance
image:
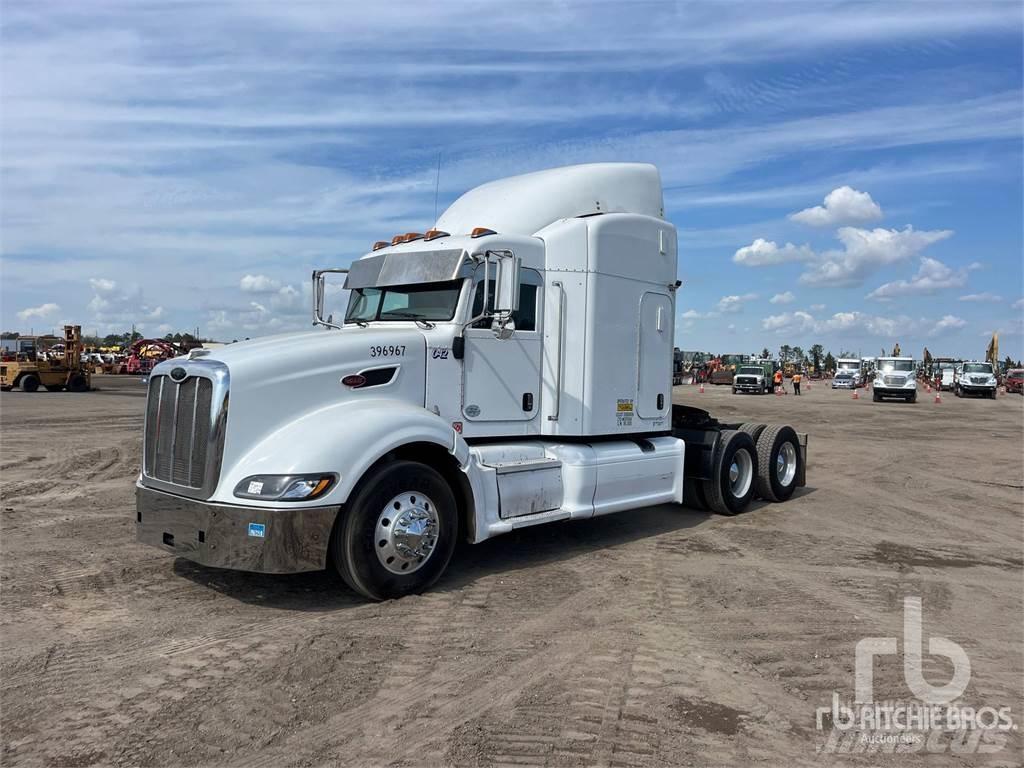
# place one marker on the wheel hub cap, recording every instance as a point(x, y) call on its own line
point(741, 473)
point(406, 532)
point(785, 464)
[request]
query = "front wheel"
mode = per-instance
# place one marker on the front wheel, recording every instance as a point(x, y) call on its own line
point(29, 383)
point(734, 468)
point(397, 533)
point(78, 383)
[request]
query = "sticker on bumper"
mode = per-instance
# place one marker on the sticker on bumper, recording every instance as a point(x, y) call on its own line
point(259, 530)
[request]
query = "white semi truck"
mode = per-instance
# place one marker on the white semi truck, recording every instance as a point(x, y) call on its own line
point(853, 367)
point(509, 367)
point(895, 377)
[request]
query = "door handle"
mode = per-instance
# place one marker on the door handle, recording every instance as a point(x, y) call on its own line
point(527, 401)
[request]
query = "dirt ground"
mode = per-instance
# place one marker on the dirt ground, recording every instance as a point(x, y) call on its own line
point(658, 637)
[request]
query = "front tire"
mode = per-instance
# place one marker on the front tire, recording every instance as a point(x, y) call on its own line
point(78, 383)
point(779, 463)
point(396, 535)
point(734, 470)
point(29, 383)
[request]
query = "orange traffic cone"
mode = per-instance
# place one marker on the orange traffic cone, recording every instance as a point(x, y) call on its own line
point(778, 391)
point(938, 396)
point(856, 395)
point(702, 387)
point(927, 388)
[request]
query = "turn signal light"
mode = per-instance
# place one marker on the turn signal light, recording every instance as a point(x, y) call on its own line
point(354, 380)
point(481, 232)
point(433, 234)
point(380, 244)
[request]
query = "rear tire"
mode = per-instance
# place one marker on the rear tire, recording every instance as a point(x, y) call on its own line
point(875, 397)
point(912, 398)
point(29, 383)
point(734, 471)
point(402, 504)
point(779, 463)
point(753, 429)
point(78, 384)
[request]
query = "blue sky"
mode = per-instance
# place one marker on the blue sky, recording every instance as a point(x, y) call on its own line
point(841, 173)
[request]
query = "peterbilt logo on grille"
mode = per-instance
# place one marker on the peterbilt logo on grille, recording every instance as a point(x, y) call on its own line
point(179, 374)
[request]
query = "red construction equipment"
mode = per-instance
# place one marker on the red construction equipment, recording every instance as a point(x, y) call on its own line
point(145, 353)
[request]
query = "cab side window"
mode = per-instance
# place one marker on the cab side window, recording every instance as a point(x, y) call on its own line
point(525, 318)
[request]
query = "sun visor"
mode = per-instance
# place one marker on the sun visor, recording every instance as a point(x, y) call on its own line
point(406, 268)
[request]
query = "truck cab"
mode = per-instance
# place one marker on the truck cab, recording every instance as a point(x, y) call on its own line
point(895, 377)
point(753, 377)
point(851, 366)
point(509, 367)
point(974, 378)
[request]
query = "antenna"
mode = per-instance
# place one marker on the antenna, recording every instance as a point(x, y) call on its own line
point(437, 184)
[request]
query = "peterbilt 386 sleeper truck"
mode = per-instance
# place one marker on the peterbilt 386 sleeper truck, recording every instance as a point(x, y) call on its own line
point(509, 367)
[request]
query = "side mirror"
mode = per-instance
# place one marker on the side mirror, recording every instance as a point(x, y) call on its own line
point(506, 284)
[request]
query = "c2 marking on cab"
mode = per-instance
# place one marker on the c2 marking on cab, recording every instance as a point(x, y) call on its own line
point(439, 354)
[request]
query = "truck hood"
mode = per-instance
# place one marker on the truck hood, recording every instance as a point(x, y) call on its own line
point(275, 380)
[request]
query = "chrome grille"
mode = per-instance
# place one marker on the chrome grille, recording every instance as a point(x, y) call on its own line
point(979, 379)
point(746, 380)
point(894, 381)
point(178, 422)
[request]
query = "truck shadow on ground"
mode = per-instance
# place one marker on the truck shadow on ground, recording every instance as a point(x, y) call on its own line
point(512, 552)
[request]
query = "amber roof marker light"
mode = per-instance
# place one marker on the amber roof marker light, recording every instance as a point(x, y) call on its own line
point(481, 232)
point(434, 234)
point(380, 244)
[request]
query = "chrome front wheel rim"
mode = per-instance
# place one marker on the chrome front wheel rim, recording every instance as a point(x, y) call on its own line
point(785, 465)
point(406, 532)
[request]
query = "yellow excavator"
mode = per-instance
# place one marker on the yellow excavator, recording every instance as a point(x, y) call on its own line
point(36, 366)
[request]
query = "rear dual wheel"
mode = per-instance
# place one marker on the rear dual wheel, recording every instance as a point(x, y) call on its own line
point(734, 469)
point(779, 462)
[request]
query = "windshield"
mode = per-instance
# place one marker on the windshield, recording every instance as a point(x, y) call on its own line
point(429, 301)
point(896, 365)
point(1015, 374)
point(947, 366)
point(751, 370)
point(847, 366)
point(977, 368)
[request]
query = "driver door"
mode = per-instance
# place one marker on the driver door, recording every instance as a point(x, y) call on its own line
point(501, 377)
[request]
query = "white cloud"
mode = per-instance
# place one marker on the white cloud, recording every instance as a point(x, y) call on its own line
point(865, 250)
point(981, 297)
point(259, 284)
point(843, 205)
point(932, 276)
point(947, 323)
point(1018, 304)
point(102, 284)
point(42, 312)
point(817, 307)
point(786, 297)
point(692, 314)
point(734, 303)
point(763, 252)
point(840, 322)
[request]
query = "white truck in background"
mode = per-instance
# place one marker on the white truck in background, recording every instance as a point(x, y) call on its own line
point(975, 378)
point(895, 377)
point(852, 366)
point(511, 366)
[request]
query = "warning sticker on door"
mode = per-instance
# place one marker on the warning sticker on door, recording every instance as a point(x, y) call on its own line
point(624, 412)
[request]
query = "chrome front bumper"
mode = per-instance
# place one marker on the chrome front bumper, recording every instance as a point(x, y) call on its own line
point(256, 539)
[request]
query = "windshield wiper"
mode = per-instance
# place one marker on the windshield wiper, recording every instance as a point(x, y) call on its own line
point(409, 316)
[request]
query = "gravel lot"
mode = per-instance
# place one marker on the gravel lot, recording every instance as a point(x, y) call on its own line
point(657, 637)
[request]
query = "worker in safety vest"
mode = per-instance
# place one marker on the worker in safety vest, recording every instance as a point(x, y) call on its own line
point(796, 382)
point(778, 380)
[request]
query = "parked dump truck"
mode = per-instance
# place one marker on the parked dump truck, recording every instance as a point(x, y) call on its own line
point(31, 370)
point(509, 367)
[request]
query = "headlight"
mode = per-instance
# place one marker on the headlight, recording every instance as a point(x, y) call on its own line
point(284, 487)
